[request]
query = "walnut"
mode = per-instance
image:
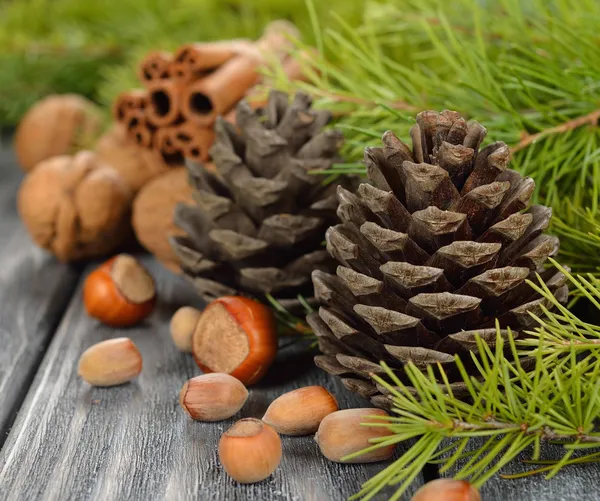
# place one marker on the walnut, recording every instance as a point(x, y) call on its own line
point(137, 165)
point(77, 207)
point(153, 210)
point(56, 125)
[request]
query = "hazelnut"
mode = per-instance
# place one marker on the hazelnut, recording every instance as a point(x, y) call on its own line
point(119, 293)
point(299, 412)
point(447, 489)
point(342, 433)
point(212, 397)
point(250, 451)
point(75, 207)
point(110, 363)
point(56, 125)
point(237, 336)
point(182, 326)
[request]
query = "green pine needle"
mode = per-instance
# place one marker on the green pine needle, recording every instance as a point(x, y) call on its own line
point(528, 71)
point(514, 409)
point(288, 322)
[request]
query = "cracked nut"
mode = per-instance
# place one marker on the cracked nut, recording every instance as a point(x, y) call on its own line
point(120, 293)
point(237, 336)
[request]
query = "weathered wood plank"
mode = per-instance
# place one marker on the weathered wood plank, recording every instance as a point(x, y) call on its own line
point(34, 292)
point(133, 442)
point(574, 483)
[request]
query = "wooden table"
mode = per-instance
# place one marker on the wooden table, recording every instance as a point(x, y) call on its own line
point(62, 440)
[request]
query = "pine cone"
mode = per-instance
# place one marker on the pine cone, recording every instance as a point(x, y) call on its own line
point(431, 254)
point(259, 223)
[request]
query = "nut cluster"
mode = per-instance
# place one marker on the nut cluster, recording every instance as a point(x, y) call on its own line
point(121, 292)
point(234, 342)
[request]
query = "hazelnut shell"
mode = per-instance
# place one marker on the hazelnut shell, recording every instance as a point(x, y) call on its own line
point(106, 289)
point(236, 335)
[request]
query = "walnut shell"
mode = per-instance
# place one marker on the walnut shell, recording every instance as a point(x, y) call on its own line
point(137, 165)
point(76, 207)
point(153, 210)
point(55, 126)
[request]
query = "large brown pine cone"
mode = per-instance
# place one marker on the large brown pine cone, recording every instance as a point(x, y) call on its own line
point(437, 248)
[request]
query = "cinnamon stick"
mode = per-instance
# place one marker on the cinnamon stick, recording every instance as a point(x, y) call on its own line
point(164, 141)
point(139, 130)
point(165, 102)
point(215, 94)
point(128, 103)
point(194, 141)
point(184, 140)
point(218, 92)
point(197, 59)
point(155, 66)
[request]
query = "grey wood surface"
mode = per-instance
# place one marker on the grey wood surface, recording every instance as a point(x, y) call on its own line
point(34, 292)
point(73, 442)
point(573, 483)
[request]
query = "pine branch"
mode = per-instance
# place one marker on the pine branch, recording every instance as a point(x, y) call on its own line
point(529, 139)
point(513, 408)
point(528, 71)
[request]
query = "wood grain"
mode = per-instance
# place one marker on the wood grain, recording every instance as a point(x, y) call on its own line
point(34, 292)
point(74, 442)
point(573, 483)
point(133, 442)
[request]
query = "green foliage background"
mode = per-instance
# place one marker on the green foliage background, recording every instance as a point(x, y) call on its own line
point(529, 70)
point(91, 46)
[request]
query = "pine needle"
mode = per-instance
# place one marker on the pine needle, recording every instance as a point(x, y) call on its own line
point(556, 402)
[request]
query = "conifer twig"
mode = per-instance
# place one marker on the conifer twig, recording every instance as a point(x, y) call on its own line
point(511, 409)
point(529, 139)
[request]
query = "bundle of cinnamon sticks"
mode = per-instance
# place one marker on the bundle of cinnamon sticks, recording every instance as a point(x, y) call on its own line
point(184, 92)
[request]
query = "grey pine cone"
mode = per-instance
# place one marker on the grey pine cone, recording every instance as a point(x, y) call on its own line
point(430, 254)
point(259, 223)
